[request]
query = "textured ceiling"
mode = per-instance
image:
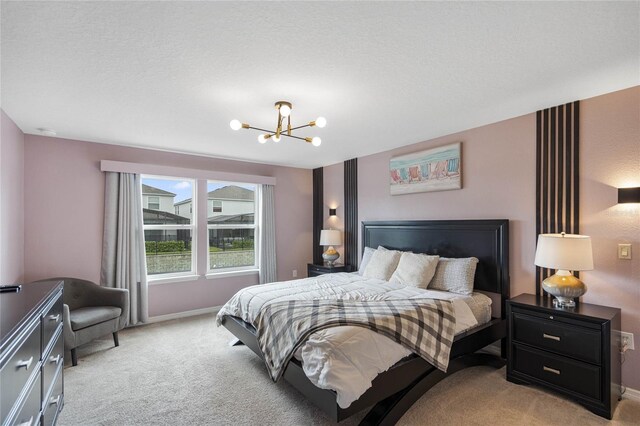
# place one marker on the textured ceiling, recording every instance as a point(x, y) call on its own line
point(171, 75)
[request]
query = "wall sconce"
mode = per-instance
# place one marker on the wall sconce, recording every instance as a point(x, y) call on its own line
point(332, 212)
point(629, 195)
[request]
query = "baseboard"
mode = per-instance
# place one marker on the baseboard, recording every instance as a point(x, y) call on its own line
point(185, 314)
point(632, 394)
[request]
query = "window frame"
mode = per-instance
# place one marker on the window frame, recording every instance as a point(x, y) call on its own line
point(192, 226)
point(211, 273)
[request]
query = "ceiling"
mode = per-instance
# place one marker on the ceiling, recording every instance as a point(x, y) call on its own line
point(171, 75)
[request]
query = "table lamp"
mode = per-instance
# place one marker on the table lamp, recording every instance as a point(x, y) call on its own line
point(564, 253)
point(330, 237)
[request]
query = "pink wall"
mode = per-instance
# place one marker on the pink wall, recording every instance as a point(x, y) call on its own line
point(64, 204)
point(610, 159)
point(499, 182)
point(11, 202)
point(333, 180)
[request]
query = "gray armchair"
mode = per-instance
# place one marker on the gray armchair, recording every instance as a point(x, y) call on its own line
point(91, 311)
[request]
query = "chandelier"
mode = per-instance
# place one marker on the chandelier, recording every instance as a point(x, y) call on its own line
point(284, 113)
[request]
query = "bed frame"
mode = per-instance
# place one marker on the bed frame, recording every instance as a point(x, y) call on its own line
point(393, 392)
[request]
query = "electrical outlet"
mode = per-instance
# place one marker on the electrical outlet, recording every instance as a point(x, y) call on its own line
point(295, 273)
point(624, 251)
point(627, 339)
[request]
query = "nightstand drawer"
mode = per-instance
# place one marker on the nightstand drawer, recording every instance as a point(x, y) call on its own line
point(578, 342)
point(565, 373)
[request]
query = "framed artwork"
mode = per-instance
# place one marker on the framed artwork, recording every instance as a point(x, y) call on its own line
point(435, 169)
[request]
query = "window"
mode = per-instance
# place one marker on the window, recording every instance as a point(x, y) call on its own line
point(168, 236)
point(232, 234)
point(154, 203)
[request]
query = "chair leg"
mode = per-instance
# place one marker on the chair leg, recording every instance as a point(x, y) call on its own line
point(74, 357)
point(115, 338)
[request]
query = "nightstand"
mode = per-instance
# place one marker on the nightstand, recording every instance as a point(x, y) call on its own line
point(571, 351)
point(315, 270)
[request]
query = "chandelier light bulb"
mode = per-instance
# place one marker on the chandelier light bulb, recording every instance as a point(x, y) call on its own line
point(321, 122)
point(285, 110)
point(276, 138)
point(316, 141)
point(262, 138)
point(235, 124)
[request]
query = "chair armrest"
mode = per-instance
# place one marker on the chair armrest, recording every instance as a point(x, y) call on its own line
point(106, 296)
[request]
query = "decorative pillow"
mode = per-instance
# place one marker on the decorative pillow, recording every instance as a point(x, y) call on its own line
point(382, 264)
point(415, 269)
point(366, 257)
point(454, 275)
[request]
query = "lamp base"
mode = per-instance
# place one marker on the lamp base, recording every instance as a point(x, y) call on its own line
point(330, 256)
point(565, 288)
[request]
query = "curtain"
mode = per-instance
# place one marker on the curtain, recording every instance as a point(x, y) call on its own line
point(268, 272)
point(123, 253)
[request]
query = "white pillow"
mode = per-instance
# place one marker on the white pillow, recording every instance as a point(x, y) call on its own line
point(415, 269)
point(366, 257)
point(454, 275)
point(382, 264)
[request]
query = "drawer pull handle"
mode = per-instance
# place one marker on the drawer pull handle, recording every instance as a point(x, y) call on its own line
point(551, 370)
point(55, 359)
point(54, 401)
point(550, 337)
point(26, 364)
point(27, 423)
point(55, 318)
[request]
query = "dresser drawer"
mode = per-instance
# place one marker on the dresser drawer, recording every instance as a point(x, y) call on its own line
point(578, 342)
point(576, 376)
point(53, 404)
point(50, 321)
point(18, 369)
point(29, 414)
point(51, 362)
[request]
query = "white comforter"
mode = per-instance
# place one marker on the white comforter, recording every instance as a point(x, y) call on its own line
point(344, 359)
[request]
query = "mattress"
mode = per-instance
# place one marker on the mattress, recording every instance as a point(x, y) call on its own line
point(346, 359)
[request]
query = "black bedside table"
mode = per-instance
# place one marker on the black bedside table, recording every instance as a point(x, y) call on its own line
point(315, 270)
point(572, 351)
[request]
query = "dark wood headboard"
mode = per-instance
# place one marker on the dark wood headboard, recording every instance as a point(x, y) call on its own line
point(488, 240)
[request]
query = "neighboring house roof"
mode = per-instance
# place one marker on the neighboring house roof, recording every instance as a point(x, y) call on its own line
point(158, 217)
point(230, 192)
point(232, 218)
point(152, 190)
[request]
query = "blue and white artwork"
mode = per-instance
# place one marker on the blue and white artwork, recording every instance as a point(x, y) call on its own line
point(436, 169)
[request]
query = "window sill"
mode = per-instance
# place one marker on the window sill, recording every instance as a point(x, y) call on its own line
point(176, 279)
point(216, 275)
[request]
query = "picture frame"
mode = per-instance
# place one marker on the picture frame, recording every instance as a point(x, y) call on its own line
point(433, 169)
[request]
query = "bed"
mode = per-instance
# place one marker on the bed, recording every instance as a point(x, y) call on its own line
point(394, 391)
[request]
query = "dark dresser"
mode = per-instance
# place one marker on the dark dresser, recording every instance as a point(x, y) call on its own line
point(31, 355)
point(315, 270)
point(574, 351)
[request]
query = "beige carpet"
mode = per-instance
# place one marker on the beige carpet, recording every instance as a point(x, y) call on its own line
point(183, 372)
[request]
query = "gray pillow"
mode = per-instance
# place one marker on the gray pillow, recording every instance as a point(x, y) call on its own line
point(454, 275)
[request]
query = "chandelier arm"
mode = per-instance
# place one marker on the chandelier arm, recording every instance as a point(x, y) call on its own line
point(295, 137)
point(300, 127)
point(262, 130)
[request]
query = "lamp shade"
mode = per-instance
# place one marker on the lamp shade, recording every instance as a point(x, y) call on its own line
point(570, 252)
point(330, 237)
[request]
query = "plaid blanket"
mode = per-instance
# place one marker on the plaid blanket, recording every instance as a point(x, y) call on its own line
point(425, 326)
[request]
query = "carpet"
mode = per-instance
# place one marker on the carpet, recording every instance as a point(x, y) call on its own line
point(183, 372)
